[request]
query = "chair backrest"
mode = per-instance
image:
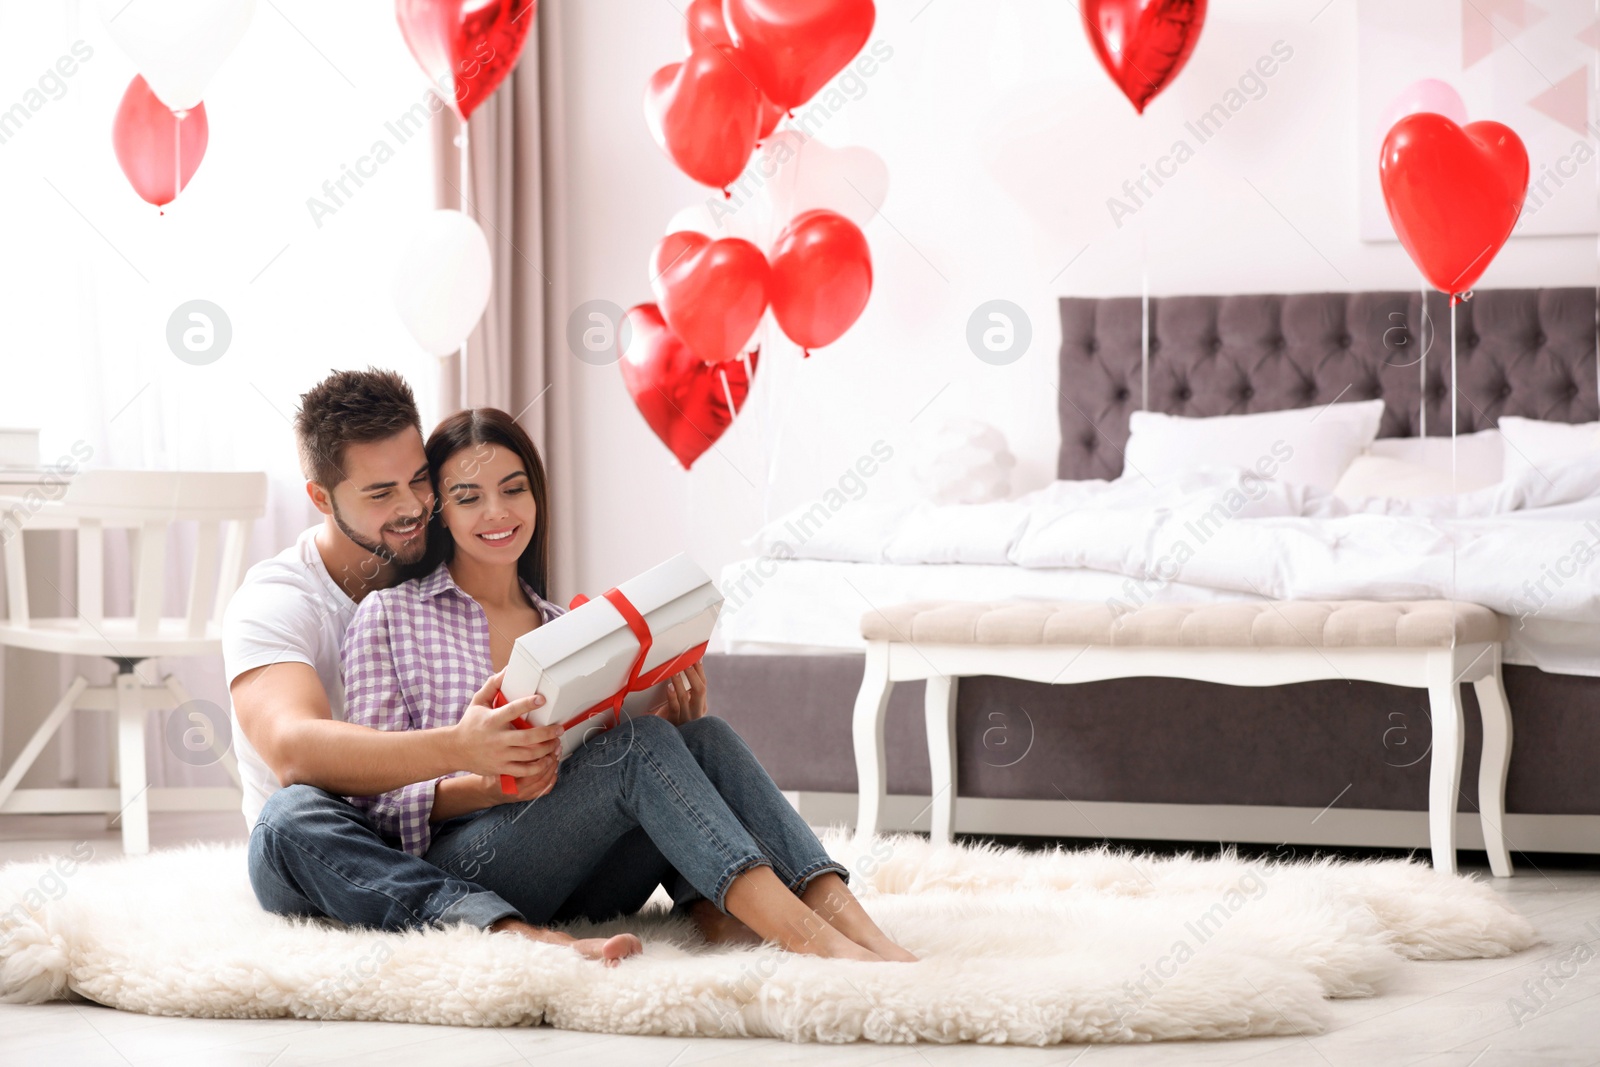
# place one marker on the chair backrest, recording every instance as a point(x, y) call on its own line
point(225, 505)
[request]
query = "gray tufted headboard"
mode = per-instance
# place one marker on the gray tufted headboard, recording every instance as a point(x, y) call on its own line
point(1529, 352)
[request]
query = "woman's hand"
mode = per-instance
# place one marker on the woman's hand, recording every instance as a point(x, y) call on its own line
point(532, 787)
point(686, 696)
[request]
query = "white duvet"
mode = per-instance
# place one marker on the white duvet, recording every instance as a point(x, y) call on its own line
point(1528, 548)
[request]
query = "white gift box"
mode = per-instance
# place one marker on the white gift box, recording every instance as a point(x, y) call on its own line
point(584, 657)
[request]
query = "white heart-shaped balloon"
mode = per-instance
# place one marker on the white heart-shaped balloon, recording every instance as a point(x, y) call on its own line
point(441, 287)
point(791, 174)
point(718, 218)
point(807, 175)
point(177, 44)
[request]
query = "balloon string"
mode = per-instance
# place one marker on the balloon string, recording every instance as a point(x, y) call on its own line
point(774, 424)
point(1453, 404)
point(1144, 323)
point(1454, 485)
point(466, 209)
point(1422, 328)
point(727, 391)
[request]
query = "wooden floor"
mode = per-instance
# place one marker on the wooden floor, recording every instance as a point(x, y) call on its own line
point(1457, 1013)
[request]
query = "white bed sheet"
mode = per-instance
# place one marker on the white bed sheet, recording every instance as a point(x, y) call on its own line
point(805, 606)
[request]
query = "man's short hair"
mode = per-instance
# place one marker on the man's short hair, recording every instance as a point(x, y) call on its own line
point(350, 407)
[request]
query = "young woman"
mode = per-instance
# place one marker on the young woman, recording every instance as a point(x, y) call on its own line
point(674, 798)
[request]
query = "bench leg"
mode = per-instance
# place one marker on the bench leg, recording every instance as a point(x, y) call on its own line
point(939, 709)
point(1444, 773)
point(872, 705)
point(1496, 714)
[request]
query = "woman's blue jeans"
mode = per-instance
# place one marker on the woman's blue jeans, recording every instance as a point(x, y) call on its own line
point(646, 804)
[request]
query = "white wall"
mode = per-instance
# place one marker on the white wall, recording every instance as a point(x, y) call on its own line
point(1004, 141)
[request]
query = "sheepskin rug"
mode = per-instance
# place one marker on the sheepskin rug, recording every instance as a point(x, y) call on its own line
point(1017, 947)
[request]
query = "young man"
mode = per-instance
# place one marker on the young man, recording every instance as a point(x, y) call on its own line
point(311, 851)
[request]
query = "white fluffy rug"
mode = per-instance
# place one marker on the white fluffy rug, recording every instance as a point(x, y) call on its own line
point(1016, 947)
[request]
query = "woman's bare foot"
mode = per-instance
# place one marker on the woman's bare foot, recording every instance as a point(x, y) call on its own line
point(610, 951)
point(829, 897)
point(719, 928)
point(767, 906)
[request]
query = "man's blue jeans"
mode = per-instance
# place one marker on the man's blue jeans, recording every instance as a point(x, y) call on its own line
point(644, 805)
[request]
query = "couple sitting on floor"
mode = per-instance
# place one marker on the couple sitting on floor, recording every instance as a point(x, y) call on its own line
point(363, 661)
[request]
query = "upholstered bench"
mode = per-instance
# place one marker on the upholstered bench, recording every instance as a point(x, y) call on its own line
point(1431, 644)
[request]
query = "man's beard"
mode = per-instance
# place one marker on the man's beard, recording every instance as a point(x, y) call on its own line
point(408, 554)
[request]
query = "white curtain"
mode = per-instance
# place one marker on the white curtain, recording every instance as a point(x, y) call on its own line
point(516, 359)
point(91, 275)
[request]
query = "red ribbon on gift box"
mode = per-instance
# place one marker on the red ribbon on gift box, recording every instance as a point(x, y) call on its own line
point(636, 680)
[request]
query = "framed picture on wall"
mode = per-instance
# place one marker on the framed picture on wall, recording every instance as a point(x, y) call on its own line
point(1533, 66)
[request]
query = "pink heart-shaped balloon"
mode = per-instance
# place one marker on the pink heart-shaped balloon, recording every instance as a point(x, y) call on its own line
point(682, 398)
point(158, 151)
point(711, 293)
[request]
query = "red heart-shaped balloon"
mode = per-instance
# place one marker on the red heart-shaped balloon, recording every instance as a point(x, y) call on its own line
point(470, 44)
point(703, 25)
point(793, 47)
point(821, 278)
point(151, 142)
point(771, 115)
point(705, 115)
point(1143, 44)
point(711, 293)
point(683, 399)
point(1454, 194)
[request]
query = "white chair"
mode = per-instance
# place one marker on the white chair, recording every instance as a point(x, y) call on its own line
point(148, 503)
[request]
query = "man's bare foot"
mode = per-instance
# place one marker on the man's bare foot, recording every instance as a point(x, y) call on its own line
point(608, 950)
point(719, 928)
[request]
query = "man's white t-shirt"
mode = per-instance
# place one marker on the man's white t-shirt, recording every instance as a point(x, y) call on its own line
point(289, 610)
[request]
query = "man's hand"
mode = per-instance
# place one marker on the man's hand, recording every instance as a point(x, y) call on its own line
point(534, 786)
point(686, 697)
point(487, 744)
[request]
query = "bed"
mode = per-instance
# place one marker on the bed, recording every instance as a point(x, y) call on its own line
point(1230, 763)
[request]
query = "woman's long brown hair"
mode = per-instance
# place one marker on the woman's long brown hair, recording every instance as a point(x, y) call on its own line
point(487, 428)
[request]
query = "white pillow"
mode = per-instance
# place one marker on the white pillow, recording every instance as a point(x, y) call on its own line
point(1372, 475)
point(1533, 444)
point(1305, 446)
point(1479, 457)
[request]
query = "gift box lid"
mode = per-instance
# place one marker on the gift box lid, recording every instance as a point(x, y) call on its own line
point(584, 656)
